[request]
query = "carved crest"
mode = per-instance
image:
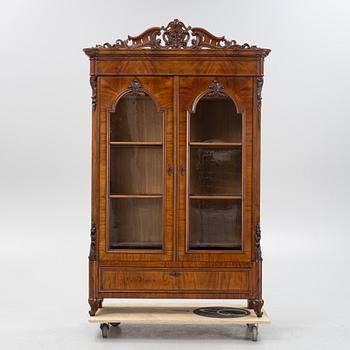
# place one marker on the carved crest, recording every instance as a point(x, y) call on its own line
point(258, 255)
point(215, 89)
point(259, 85)
point(176, 36)
point(93, 84)
point(92, 255)
point(136, 88)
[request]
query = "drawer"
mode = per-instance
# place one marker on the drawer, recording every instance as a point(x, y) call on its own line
point(225, 281)
point(186, 280)
point(136, 280)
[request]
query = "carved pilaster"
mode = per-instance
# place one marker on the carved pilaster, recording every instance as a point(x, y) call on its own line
point(92, 255)
point(258, 255)
point(93, 83)
point(259, 85)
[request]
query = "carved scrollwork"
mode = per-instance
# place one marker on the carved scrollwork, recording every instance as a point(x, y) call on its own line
point(215, 89)
point(176, 36)
point(93, 84)
point(259, 85)
point(92, 255)
point(258, 254)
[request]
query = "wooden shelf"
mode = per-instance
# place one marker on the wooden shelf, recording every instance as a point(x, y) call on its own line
point(213, 245)
point(135, 143)
point(215, 197)
point(136, 245)
point(216, 144)
point(135, 196)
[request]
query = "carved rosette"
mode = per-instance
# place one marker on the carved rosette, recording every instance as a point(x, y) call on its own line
point(215, 89)
point(176, 36)
point(258, 255)
point(92, 255)
point(93, 84)
point(259, 85)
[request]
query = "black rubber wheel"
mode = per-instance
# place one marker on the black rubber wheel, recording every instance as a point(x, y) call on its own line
point(254, 330)
point(115, 324)
point(104, 329)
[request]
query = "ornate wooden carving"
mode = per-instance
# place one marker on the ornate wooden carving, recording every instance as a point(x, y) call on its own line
point(258, 255)
point(95, 304)
point(215, 89)
point(92, 255)
point(256, 305)
point(136, 88)
point(93, 83)
point(176, 36)
point(259, 85)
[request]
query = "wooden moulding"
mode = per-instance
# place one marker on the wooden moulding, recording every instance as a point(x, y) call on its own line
point(168, 313)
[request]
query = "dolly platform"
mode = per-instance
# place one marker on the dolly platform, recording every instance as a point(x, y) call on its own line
point(171, 313)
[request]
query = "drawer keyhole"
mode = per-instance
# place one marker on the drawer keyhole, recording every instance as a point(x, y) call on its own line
point(175, 274)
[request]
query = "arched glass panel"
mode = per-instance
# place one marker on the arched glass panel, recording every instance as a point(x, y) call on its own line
point(215, 176)
point(136, 119)
point(136, 174)
point(216, 120)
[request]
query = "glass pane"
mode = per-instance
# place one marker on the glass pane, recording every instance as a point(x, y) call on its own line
point(136, 170)
point(135, 223)
point(136, 119)
point(215, 171)
point(216, 120)
point(215, 224)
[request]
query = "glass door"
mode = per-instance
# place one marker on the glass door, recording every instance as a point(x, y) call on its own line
point(215, 175)
point(212, 190)
point(136, 174)
point(139, 168)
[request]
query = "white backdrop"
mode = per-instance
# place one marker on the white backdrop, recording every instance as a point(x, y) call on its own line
point(45, 129)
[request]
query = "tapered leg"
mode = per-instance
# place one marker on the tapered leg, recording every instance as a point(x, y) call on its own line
point(95, 304)
point(256, 305)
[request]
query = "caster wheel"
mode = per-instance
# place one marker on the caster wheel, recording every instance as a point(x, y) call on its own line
point(254, 330)
point(115, 324)
point(249, 326)
point(104, 329)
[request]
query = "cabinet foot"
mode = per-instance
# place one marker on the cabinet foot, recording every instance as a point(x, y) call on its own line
point(256, 305)
point(95, 304)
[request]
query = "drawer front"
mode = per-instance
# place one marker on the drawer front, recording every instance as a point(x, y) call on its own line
point(135, 280)
point(172, 280)
point(225, 281)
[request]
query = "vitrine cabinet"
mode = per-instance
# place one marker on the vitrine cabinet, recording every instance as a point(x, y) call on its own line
point(176, 167)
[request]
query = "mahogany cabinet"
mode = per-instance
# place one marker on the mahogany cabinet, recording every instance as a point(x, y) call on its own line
point(176, 167)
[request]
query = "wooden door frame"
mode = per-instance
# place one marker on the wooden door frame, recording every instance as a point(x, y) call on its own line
point(233, 87)
point(112, 89)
